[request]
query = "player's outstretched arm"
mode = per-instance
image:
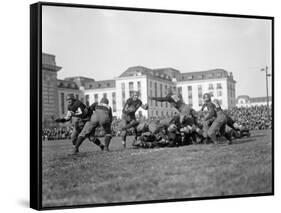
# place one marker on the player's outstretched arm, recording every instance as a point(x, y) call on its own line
point(65, 119)
point(144, 106)
point(160, 99)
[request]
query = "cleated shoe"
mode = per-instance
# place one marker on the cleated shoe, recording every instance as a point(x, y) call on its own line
point(102, 147)
point(74, 151)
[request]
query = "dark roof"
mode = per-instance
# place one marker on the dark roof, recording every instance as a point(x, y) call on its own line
point(67, 84)
point(140, 70)
point(208, 74)
point(80, 78)
point(101, 84)
point(136, 70)
point(171, 72)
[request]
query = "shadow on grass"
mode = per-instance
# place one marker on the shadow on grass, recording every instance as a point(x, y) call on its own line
point(241, 141)
point(258, 135)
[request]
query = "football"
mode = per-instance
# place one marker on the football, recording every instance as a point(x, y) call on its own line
point(131, 109)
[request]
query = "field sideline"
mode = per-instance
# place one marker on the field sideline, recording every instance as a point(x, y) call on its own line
point(152, 174)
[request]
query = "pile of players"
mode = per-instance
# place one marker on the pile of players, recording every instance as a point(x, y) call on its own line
point(185, 128)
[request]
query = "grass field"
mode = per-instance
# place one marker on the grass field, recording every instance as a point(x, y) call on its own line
point(152, 174)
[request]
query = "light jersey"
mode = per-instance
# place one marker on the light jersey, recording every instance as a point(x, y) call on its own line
point(103, 107)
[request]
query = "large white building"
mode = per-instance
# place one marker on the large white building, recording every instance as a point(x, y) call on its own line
point(149, 82)
point(156, 82)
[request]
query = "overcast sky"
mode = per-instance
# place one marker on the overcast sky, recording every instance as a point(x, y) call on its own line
point(101, 44)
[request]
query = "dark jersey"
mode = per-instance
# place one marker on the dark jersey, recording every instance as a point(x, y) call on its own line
point(134, 103)
point(175, 100)
point(211, 110)
point(78, 104)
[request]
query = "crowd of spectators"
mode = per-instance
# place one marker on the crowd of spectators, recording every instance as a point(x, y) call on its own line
point(253, 118)
point(56, 133)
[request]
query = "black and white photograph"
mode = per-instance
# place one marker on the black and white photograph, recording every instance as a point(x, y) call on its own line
point(144, 105)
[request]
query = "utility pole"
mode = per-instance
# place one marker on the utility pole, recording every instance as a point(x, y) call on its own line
point(266, 81)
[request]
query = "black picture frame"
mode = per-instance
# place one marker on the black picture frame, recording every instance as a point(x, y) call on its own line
point(36, 101)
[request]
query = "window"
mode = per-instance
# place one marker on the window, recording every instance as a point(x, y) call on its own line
point(96, 97)
point(161, 94)
point(155, 92)
point(219, 93)
point(87, 100)
point(166, 91)
point(211, 87)
point(123, 94)
point(189, 91)
point(62, 103)
point(200, 96)
point(104, 95)
point(131, 88)
point(139, 88)
point(180, 91)
point(219, 86)
point(113, 101)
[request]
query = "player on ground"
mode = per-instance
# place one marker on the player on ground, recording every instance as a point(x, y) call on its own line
point(101, 117)
point(129, 117)
point(78, 113)
point(176, 101)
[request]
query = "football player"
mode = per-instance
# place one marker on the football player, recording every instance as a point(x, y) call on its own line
point(78, 113)
point(101, 117)
point(215, 120)
point(129, 117)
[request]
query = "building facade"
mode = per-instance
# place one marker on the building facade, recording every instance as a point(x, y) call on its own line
point(246, 101)
point(149, 83)
point(49, 90)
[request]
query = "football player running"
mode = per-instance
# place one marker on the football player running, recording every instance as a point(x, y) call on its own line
point(129, 117)
point(77, 113)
